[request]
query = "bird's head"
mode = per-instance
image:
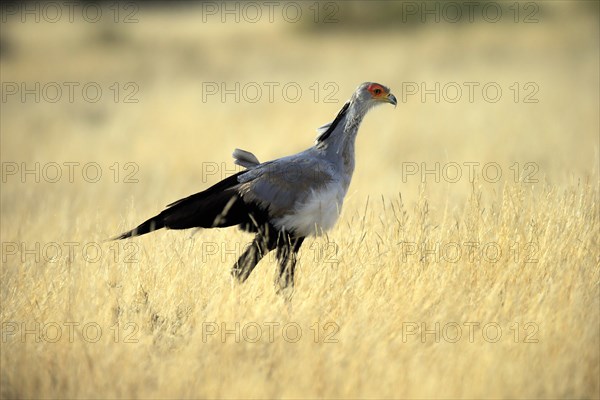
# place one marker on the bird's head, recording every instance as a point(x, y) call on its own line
point(370, 94)
point(366, 96)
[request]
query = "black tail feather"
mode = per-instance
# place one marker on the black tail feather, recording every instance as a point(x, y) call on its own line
point(218, 206)
point(148, 226)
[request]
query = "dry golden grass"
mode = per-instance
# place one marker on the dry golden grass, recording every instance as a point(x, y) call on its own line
point(366, 290)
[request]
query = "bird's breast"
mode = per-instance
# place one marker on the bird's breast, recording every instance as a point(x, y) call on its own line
point(317, 214)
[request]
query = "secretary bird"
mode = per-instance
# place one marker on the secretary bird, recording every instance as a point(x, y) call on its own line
point(283, 201)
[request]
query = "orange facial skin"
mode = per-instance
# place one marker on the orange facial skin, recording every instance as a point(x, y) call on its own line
point(377, 91)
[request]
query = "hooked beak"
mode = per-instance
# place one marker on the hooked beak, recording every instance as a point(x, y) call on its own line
point(391, 99)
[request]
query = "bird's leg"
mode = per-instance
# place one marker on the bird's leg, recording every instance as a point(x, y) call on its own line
point(260, 246)
point(287, 250)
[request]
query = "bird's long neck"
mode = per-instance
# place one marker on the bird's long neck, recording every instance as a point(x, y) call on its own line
point(338, 142)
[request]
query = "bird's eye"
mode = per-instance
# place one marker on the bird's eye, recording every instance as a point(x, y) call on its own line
point(377, 91)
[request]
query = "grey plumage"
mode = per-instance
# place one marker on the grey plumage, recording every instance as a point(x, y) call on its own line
point(245, 159)
point(283, 200)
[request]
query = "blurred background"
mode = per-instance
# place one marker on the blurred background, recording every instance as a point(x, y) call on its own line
point(175, 87)
point(110, 111)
